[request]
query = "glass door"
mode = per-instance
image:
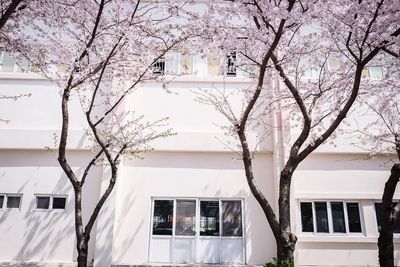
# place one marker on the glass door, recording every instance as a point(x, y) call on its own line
point(185, 231)
point(201, 231)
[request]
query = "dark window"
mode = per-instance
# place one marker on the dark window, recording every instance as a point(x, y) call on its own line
point(159, 66)
point(321, 214)
point(307, 223)
point(209, 218)
point(353, 214)
point(59, 203)
point(43, 203)
point(338, 217)
point(231, 64)
point(1, 201)
point(378, 213)
point(13, 202)
point(163, 216)
point(231, 218)
point(185, 217)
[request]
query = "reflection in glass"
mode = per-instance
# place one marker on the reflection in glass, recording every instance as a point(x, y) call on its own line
point(42, 203)
point(322, 217)
point(209, 218)
point(353, 214)
point(306, 217)
point(163, 217)
point(338, 217)
point(231, 218)
point(185, 217)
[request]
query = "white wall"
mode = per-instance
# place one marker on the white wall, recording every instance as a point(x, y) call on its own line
point(40, 236)
point(193, 175)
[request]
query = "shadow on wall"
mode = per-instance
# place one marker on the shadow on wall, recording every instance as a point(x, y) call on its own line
point(133, 225)
point(46, 234)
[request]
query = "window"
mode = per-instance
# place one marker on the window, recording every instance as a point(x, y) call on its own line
point(50, 202)
point(232, 218)
point(185, 217)
point(334, 217)
point(1, 201)
point(42, 202)
point(159, 66)
point(378, 213)
point(163, 216)
point(231, 65)
point(59, 203)
point(206, 218)
point(13, 202)
point(209, 218)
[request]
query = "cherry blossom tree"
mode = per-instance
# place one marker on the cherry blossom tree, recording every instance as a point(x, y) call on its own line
point(317, 51)
point(381, 136)
point(99, 51)
point(9, 8)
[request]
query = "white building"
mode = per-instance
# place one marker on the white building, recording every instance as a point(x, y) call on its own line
point(187, 201)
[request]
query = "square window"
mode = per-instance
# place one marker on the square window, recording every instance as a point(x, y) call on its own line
point(43, 202)
point(13, 202)
point(59, 203)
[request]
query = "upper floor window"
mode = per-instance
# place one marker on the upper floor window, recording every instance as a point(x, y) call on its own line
point(8, 64)
point(330, 217)
point(231, 65)
point(159, 66)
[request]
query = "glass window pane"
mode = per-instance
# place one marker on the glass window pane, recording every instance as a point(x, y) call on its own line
point(322, 217)
point(353, 214)
point(209, 218)
point(59, 202)
point(1, 201)
point(13, 202)
point(185, 217)
point(376, 72)
point(378, 213)
point(232, 218)
point(231, 64)
point(338, 217)
point(306, 217)
point(163, 216)
point(7, 63)
point(213, 65)
point(172, 63)
point(43, 203)
point(186, 64)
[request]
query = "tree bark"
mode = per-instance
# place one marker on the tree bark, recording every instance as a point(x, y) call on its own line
point(287, 240)
point(388, 217)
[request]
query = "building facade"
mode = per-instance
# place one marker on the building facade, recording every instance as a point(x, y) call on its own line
point(188, 200)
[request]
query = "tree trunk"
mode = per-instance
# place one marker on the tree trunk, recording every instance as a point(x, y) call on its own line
point(287, 240)
point(286, 246)
point(388, 217)
point(82, 254)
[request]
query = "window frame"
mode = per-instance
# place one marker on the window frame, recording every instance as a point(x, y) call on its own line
point(43, 195)
point(50, 209)
point(197, 226)
point(13, 195)
point(59, 196)
point(330, 218)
